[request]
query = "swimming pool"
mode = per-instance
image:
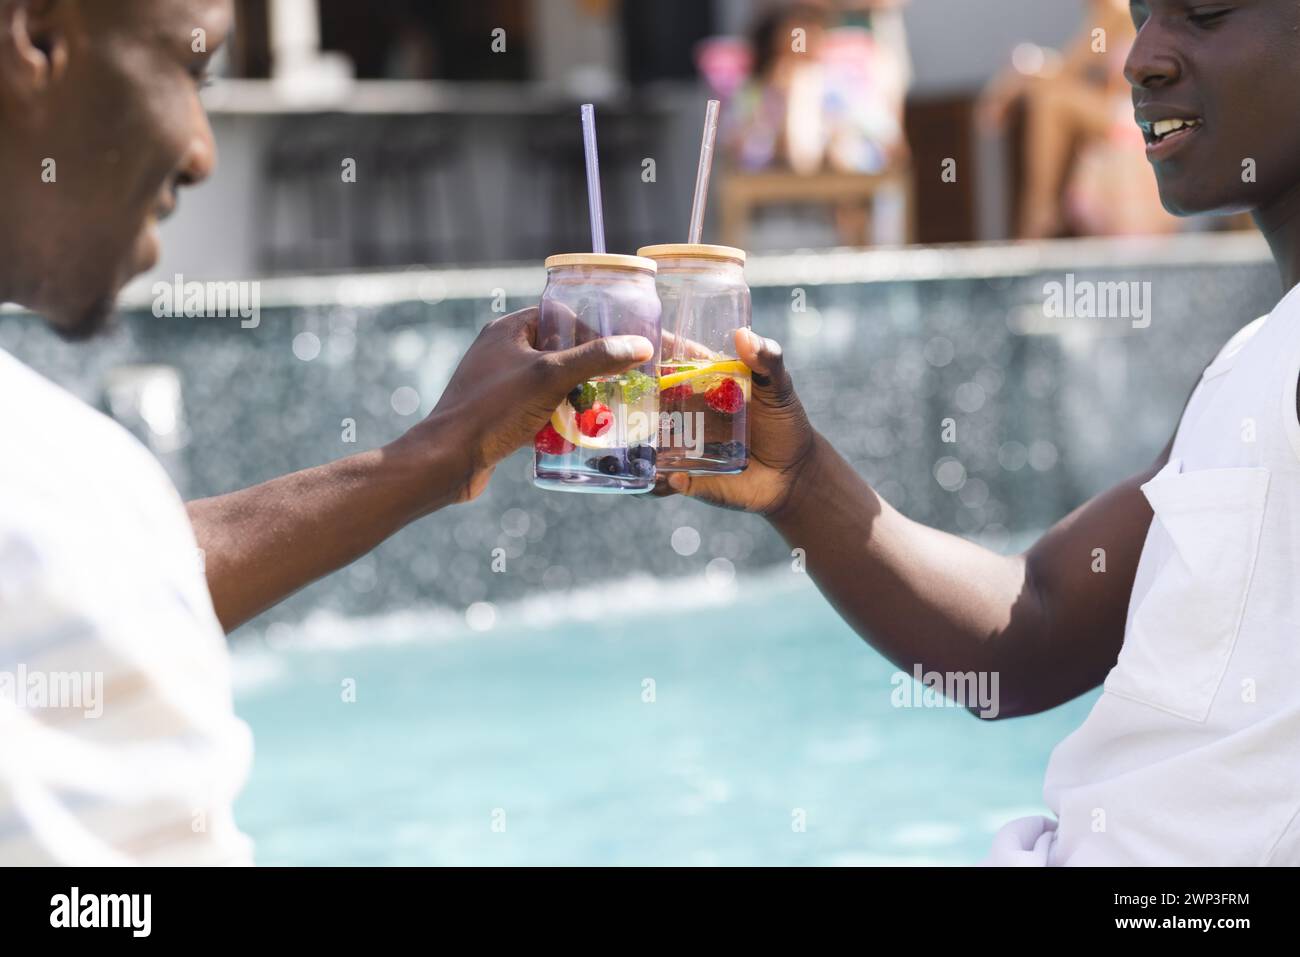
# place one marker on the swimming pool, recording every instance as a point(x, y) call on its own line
point(527, 739)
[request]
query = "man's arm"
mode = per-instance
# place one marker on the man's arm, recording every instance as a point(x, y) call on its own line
point(264, 543)
point(1044, 620)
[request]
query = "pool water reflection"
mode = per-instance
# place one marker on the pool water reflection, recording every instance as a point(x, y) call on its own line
point(601, 730)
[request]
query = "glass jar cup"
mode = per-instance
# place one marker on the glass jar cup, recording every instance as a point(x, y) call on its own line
point(603, 436)
point(704, 388)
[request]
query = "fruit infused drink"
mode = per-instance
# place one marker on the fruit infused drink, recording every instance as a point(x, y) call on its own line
point(702, 406)
point(603, 436)
point(704, 389)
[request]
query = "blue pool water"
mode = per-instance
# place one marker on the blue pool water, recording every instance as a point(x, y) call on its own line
point(526, 739)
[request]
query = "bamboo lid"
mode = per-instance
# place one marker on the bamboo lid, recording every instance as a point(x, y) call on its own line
point(608, 260)
point(693, 251)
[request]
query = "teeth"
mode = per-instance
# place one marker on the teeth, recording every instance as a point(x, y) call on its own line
point(1162, 128)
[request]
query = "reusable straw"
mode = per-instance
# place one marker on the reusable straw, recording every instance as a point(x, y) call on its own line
point(593, 178)
point(702, 174)
point(593, 199)
point(704, 171)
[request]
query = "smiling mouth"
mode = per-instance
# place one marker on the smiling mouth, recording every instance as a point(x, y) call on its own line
point(1161, 131)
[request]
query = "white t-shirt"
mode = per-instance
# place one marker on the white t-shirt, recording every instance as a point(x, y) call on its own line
point(1192, 754)
point(118, 740)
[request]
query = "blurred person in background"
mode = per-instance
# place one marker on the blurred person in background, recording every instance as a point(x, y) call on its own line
point(1084, 169)
point(825, 90)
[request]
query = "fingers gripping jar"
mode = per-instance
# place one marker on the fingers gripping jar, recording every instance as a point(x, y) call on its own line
point(603, 436)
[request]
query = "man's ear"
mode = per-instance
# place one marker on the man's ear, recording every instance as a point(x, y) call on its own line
point(33, 44)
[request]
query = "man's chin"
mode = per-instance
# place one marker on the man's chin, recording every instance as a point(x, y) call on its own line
point(1181, 198)
point(86, 322)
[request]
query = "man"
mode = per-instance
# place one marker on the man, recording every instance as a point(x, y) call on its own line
point(1189, 756)
point(99, 567)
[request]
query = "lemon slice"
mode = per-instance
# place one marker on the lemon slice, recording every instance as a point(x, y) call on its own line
point(730, 367)
point(639, 428)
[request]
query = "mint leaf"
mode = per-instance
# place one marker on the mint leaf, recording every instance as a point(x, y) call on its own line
point(636, 384)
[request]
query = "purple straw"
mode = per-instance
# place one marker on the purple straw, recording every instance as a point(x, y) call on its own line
point(593, 178)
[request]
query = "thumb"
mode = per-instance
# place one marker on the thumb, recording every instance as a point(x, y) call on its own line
point(599, 357)
point(767, 364)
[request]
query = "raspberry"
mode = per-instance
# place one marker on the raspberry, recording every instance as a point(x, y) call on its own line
point(596, 420)
point(550, 442)
point(726, 397)
point(677, 393)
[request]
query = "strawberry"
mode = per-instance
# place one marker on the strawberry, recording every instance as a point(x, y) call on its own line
point(727, 397)
point(596, 420)
point(550, 442)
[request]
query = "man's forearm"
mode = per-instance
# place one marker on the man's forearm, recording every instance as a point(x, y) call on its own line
point(264, 543)
point(919, 595)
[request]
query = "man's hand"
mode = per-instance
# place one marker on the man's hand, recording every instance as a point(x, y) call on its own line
point(782, 441)
point(505, 390)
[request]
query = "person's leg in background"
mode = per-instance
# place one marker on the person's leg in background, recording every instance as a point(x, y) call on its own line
point(1060, 115)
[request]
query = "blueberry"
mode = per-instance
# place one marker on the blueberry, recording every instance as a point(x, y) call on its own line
point(714, 450)
point(593, 464)
point(645, 452)
point(582, 397)
point(643, 468)
point(612, 464)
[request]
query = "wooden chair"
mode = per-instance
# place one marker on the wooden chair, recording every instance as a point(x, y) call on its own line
point(851, 196)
